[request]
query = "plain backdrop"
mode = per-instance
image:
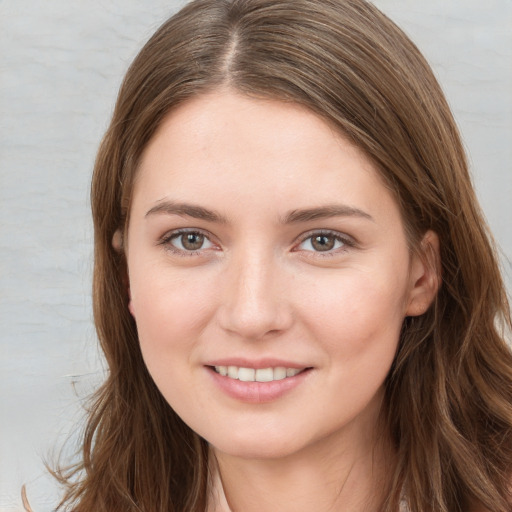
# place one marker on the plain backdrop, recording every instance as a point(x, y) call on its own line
point(61, 63)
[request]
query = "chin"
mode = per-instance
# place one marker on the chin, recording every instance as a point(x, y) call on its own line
point(257, 449)
point(269, 443)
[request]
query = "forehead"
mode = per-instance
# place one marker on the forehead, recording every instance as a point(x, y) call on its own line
point(225, 147)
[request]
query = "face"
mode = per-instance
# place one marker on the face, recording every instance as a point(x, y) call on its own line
point(269, 275)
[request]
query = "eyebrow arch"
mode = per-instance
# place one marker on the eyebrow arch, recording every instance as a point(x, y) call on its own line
point(324, 212)
point(187, 210)
point(293, 217)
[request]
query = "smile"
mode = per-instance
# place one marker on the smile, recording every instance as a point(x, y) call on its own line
point(257, 375)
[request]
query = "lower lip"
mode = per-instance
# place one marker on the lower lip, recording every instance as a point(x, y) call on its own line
point(257, 392)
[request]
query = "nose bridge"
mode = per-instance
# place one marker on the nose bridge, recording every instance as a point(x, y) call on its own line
point(253, 300)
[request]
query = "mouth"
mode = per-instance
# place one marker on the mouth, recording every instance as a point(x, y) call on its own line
point(269, 374)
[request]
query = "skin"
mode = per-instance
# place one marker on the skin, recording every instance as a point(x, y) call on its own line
point(258, 288)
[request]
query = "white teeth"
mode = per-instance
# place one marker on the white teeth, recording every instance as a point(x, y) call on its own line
point(246, 374)
point(259, 375)
point(279, 373)
point(264, 375)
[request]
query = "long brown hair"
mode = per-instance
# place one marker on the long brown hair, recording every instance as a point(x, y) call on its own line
point(449, 392)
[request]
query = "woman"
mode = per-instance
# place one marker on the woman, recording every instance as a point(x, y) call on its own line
point(294, 288)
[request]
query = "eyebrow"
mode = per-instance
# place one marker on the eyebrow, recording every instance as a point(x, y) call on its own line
point(325, 212)
point(293, 217)
point(187, 210)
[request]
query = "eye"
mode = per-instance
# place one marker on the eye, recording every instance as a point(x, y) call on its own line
point(188, 241)
point(323, 242)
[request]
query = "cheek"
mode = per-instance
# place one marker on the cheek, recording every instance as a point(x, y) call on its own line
point(359, 314)
point(169, 311)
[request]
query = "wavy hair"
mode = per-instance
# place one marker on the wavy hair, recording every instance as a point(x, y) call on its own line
point(449, 392)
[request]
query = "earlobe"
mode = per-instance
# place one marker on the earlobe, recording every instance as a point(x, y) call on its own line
point(131, 308)
point(130, 304)
point(117, 241)
point(425, 275)
point(118, 245)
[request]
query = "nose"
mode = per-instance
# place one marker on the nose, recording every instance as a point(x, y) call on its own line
point(254, 302)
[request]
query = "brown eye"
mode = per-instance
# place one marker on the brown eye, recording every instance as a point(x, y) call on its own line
point(190, 241)
point(323, 242)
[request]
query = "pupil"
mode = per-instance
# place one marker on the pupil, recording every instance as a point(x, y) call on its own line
point(192, 241)
point(323, 243)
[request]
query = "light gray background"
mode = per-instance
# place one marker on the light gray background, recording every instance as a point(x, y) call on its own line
point(61, 63)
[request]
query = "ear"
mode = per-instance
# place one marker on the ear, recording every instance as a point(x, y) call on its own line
point(117, 241)
point(118, 245)
point(131, 309)
point(425, 275)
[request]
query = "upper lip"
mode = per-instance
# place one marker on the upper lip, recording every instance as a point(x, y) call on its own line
point(267, 362)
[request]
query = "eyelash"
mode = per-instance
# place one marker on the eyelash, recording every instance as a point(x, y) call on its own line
point(167, 239)
point(347, 242)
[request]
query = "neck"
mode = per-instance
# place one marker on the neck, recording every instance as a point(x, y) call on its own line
point(327, 476)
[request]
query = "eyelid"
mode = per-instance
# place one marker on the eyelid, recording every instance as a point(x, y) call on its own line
point(347, 241)
point(165, 240)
